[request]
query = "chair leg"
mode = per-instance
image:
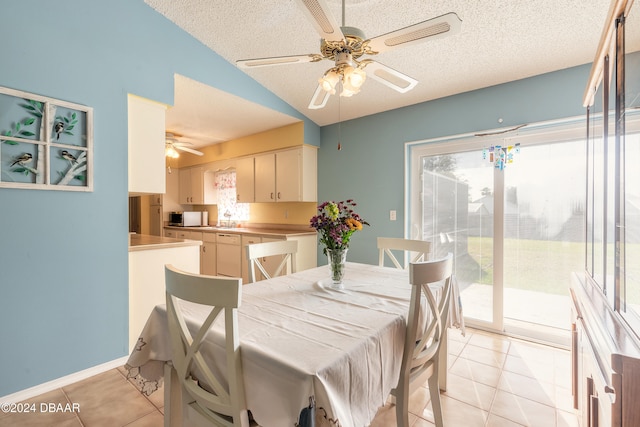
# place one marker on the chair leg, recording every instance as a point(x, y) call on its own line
point(172, 397)
point(402, 414)
point(436, 406)
point(402, 405)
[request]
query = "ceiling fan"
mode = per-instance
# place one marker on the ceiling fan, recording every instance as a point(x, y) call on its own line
point(172, 144)
point(346, 46)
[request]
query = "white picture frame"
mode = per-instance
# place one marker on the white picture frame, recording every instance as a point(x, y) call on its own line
point(45, 143)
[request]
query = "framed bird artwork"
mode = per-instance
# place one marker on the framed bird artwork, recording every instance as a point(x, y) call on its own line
point(45, 143)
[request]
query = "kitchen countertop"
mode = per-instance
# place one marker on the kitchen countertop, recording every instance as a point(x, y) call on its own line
point(143, 242)
point(263, 231)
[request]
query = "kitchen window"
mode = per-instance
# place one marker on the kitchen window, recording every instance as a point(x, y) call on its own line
point(229, 211)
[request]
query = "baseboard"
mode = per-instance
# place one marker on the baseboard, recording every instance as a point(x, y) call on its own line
point(28, 393)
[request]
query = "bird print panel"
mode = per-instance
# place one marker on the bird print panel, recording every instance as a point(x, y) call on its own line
point(44, 143)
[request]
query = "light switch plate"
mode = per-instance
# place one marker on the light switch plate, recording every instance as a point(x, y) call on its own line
point(392, 215)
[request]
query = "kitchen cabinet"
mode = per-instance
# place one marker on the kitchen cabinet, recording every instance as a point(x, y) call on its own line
point(245, 180)
point(146, 161)
point(224, 253)
point(208, 254)
point(155, 214)
point(286, 175)
point(190, 235)
point(248, 240)
point(155, 220)
point(305, 257)
point(271, 263)
point(265, 177)
point(197, 186)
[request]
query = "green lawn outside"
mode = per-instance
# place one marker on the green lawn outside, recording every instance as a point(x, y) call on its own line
point(539, 265)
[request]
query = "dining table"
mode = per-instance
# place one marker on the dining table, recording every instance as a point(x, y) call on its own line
point(308, 350)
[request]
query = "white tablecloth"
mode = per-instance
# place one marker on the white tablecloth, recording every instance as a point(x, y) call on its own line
point(302, 341)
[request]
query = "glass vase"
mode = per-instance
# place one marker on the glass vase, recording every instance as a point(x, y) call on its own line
point(337, 259)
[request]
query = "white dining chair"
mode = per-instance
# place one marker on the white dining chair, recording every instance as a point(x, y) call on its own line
point(424, 335)
point(257, 252)
point(386, 245)
point(207, 398)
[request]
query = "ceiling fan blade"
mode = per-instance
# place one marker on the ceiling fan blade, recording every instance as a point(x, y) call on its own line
point(316, 101)
point(278, 60)
point(188, 150)
point(318, 12)
point(441, 26)
point(389, 77)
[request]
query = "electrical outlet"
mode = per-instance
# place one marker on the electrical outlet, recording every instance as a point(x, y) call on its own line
point(392, 215)
point(286, 213)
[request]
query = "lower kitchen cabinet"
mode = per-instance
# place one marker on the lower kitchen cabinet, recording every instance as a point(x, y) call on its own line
point(247, 240)
point(225, 253)
point(208, 260)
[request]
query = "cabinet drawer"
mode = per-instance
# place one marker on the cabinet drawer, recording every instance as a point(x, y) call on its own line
point(190, 235)
point(208, 237)
point(170, 233)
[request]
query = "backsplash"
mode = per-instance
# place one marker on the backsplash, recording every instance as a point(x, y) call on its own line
point(295, 213)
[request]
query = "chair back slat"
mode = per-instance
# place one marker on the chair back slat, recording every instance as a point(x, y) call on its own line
point(419, 248)
point(217, 396)
point(285, 248)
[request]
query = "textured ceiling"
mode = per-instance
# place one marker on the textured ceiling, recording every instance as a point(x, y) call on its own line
point(500, 41)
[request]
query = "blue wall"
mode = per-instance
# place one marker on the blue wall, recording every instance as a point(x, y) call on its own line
point(370, 168)
point(63, 255)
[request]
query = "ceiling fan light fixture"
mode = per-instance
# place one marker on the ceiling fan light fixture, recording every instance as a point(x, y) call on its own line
point(329, 81)
point(171, 152)
point(348, 93)
point(354, 77)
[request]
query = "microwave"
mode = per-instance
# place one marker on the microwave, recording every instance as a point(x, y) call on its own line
point(188, 219)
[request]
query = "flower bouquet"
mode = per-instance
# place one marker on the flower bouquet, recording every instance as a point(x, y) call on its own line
point(336, 223)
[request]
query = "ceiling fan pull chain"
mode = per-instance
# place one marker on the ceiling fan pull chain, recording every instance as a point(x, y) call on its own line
point(339, 124)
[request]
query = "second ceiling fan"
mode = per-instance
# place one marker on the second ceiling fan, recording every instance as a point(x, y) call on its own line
point(346, 46)
point(172, 144)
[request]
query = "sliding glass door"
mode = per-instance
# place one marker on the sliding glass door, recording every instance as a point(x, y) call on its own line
point(516, 231)
point(457, 217)
point(543, 234)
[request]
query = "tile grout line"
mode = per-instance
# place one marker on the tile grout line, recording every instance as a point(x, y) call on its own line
point(66, 396)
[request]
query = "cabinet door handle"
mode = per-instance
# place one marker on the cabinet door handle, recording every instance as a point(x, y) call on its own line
point(237, 197)
point(278, 195)
point(271, 196)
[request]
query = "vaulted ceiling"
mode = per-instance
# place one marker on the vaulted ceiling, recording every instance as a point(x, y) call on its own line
point(499, 41)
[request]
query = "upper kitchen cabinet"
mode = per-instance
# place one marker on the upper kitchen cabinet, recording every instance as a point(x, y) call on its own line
point(245, 180)
point(287, 175)
point(146, 146)
point(197, 186)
